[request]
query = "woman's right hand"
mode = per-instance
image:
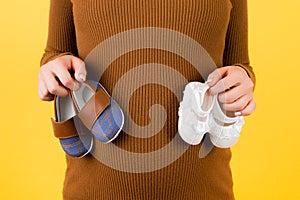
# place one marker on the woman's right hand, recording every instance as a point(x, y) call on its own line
point(54, 77)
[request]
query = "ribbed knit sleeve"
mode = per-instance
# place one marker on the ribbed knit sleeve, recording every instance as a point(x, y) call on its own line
point(61, 31)
point(236, 48)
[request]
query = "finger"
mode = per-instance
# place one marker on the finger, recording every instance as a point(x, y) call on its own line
point(239, 104)
point(215, 76)
point(222, 85)
point(49, 97)
point(233, 94)
point(53, 86)
point(43, 92)
point(79, 67)
point(65, 78)
point(249, 108)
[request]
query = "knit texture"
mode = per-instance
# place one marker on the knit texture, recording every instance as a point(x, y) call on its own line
point(77, 26)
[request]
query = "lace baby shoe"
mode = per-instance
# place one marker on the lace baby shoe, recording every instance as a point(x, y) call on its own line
point(64, 129)
point(98, 111)
point(194, 112)
point(224, 131)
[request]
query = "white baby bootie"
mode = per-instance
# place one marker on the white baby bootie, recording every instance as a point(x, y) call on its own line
point(194, 112)
point(224, 131)
point(200, 113)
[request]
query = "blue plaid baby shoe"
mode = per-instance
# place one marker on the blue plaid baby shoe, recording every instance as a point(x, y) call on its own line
point(64, 129)
point(98, 111)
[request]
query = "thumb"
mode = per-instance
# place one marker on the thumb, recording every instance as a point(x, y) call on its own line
point(216, 76)
point(79, 68)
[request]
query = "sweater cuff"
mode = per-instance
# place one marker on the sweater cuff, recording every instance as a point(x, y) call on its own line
point(51, 55)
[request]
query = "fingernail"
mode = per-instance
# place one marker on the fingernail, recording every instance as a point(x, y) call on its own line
point(237, 113)
point(208, 81)
point(82, 77)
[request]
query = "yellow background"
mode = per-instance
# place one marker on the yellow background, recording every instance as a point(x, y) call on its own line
point(266, 160)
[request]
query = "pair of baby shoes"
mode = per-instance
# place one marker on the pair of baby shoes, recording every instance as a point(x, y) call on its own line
point(87, 113)
point(201, 113)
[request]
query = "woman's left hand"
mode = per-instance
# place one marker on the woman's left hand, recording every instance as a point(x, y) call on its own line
point(235, 89)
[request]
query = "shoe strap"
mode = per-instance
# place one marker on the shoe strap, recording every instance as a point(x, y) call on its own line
point(199, 94)
point(64, 129)
point(219, 114)
point(94, 107)
point(226, 132)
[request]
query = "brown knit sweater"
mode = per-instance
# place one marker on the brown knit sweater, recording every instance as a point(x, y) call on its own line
point(220, 26)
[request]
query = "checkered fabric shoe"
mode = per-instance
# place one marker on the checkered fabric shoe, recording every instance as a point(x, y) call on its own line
point(98, 111)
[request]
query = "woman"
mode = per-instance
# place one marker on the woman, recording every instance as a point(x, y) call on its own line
point(220, 26)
